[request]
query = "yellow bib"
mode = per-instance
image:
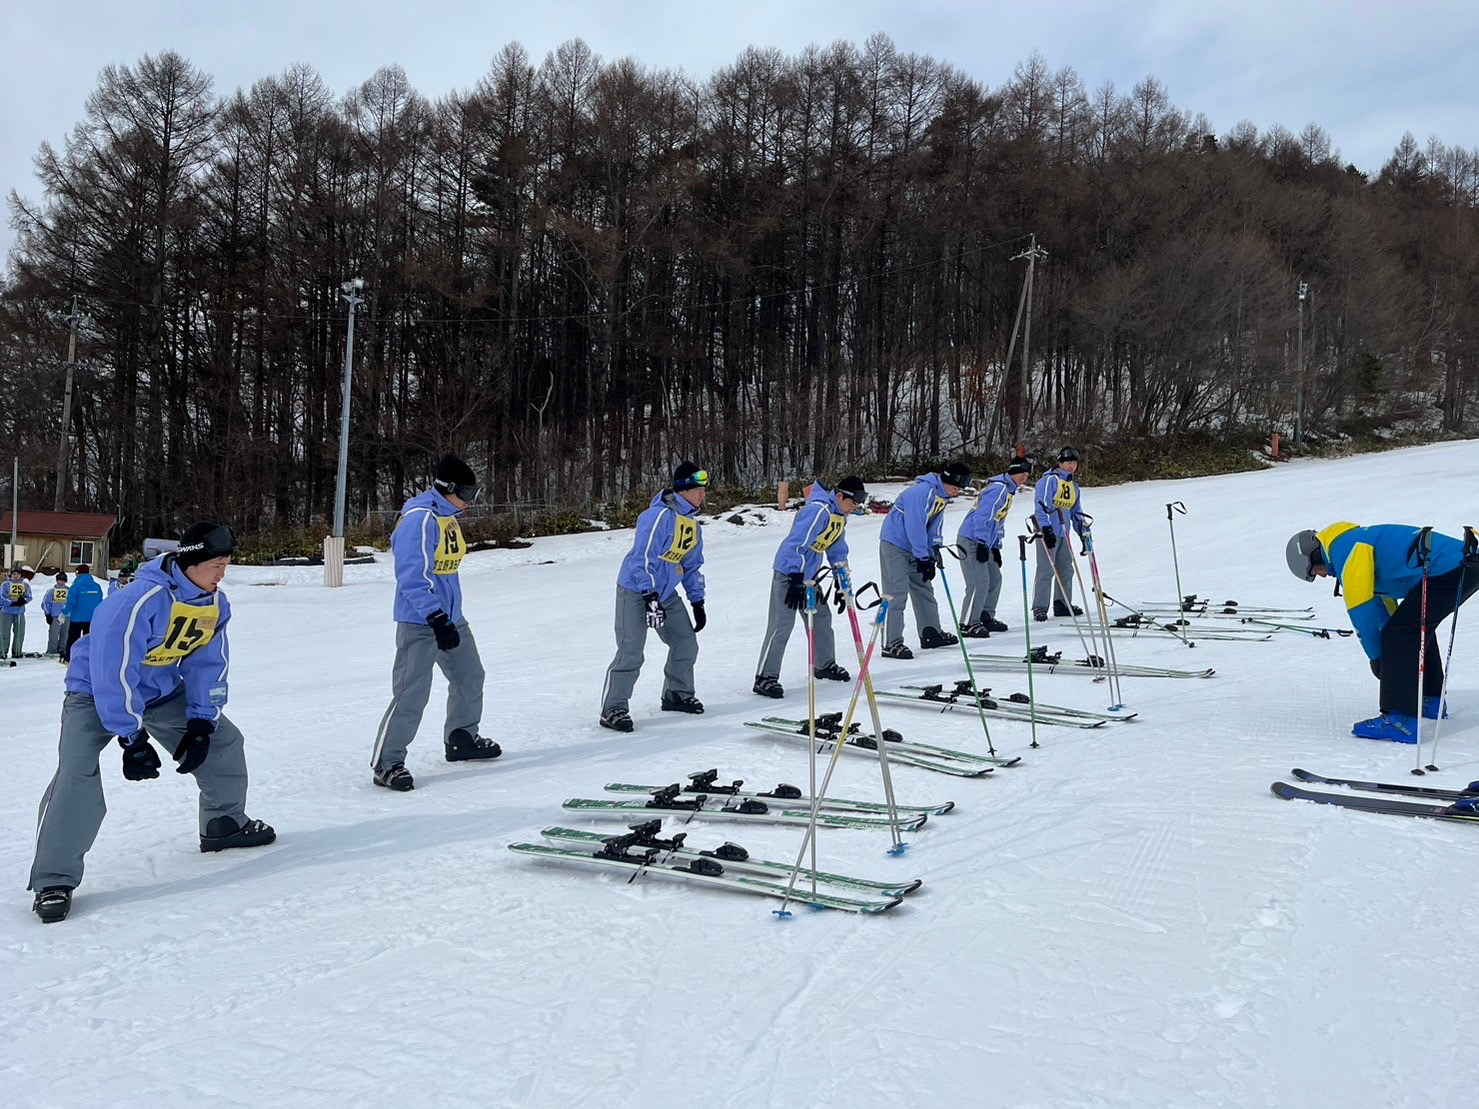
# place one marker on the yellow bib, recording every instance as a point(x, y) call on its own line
point(60, 595)
point(1067, 495)
point(190, 628)
point(17, 592)
point(938, 507)
point(685, 538)
point(452, 549)
point(830, 534)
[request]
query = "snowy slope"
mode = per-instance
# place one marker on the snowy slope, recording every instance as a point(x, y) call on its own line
point(1127, 918)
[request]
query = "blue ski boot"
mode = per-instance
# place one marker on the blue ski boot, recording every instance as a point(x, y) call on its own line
point(1430, 708)
point(1397, 727)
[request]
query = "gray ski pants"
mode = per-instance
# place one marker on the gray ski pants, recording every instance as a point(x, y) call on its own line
point(631, 641)
point(416, 654)
point(12, 634)
point(56, 635)
point(982, 585)
point(903, 582)
point(72, 808)
point(1044, 588)
point(780, 624)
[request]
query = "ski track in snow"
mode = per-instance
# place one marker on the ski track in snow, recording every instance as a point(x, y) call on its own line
point(1127, 918)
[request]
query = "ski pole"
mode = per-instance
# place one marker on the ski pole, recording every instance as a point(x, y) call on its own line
point(966, 654)
point(1173, 507)
point(1422, 547)
point(1117, 693)
point(811, 698)
point(1022, 541)
point(843, 577)
point(1091, 651)
point(1471, 548)
point(809, 839)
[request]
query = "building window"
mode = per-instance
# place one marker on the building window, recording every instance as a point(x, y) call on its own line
point(81, 552)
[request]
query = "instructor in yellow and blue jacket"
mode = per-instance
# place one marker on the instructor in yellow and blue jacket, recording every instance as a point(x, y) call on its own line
point(1380, 570)
point(430, 630)
point(667, 551)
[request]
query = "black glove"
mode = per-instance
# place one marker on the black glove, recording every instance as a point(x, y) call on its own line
point(926, 568)
point(49, 619)
point(795, 592)
point(1083, 544)
point(1376, 668)
point(195, 745)
point(1049, 538)
point(140, 760)
point(700, 617)
point(996, 555)
point(983, 553)
point(656, 614)
point(444, 630)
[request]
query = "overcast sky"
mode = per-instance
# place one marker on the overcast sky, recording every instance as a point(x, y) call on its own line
point(1365, 70)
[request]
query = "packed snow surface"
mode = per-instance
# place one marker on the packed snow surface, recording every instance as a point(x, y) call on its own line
point(1126, 918)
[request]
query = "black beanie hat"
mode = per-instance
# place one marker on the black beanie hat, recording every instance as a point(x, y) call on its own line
point(204, 541)
point(452, 474)
point(853, 486)
point(61, 576)
point(1020, 466)
point(686, 476)
point(957, 474)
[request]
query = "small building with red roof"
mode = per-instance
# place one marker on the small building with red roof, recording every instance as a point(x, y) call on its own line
point(58, 540)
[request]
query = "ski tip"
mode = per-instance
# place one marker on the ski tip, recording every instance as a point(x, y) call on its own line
point(1282, 789)
point(911, 887)
point(949, 806)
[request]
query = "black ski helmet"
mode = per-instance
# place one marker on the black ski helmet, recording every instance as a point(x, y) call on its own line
point(1303, 554)
point(1069, 454)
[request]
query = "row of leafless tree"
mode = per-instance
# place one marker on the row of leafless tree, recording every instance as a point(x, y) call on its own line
point(578, 271)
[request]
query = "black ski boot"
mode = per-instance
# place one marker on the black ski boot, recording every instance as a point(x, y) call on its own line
point(618, 720)
point(976, 631)
point(931, 638)
point(463, 746)
point(832, 673)
point(681, 702)
point(1062, 609)
point(1040, 615)
point(769, 687)
point(53, 904)
point(993, 624)
point(396, 777)
point(222, 832)
point(897, 650)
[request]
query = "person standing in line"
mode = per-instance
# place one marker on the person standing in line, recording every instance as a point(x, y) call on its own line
point(154, 666)
point(668, 550)
point(816, 532)
point(52, 605)
point(115, 584)
point(83, 599)
point(980, 538)
point(430, 631)
point(1058, 506)
point(15, 595)
point(909, 554)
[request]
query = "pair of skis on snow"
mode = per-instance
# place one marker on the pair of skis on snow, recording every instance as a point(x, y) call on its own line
point(1015, 706)
point(643, 850)
point(1457, 805)
point(1041, 660)
point(925, 756)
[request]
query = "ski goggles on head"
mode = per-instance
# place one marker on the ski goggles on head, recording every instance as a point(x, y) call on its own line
point(699, 479)
point(465, 493)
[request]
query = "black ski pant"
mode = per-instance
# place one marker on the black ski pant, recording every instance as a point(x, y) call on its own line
point(1403, 635)
point(76, 629)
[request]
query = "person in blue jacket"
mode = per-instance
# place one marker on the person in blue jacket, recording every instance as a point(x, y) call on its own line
point(1057, 506)
point(668, 550)
point(431, 631)
point(909, 554)
point(980, 537)
point(82, 601)
point(52, 605)
point(1380, 571)
point(15, 595)
point(154, 666)
point(123, 579)
point(816, 533)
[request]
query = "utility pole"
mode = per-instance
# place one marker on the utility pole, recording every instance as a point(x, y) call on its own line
point(65, 452)
point(334, 544)
point(1304, 290)
point(15, 508)
point(1032, 254)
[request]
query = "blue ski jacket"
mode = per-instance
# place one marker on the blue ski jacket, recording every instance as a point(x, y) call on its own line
point(83, 599)
point(668, 550)
point(817, 531)
point(1057, 495)
point(986, 523)
point(1377, 567)
point(916, 522)
point(51, 604)
point(114, 585)
point(429, 548)
point(149, 643)
point(14, 596)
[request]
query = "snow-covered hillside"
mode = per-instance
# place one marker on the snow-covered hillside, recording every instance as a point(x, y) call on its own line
point(1126, 918)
